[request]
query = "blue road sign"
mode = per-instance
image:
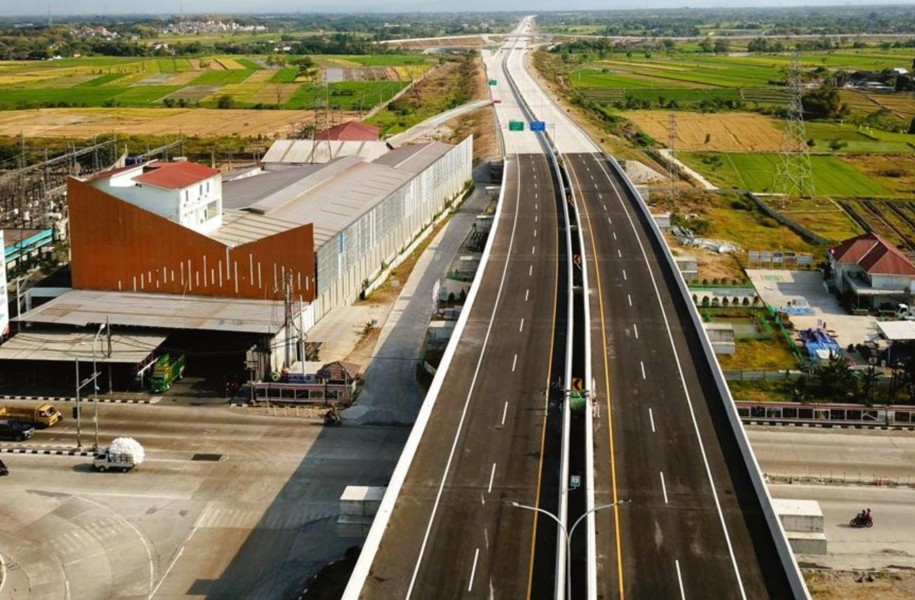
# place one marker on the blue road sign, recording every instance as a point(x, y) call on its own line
point(538, 126)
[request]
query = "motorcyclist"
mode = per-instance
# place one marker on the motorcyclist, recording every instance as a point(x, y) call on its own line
point(867, 516)
point(862, 515)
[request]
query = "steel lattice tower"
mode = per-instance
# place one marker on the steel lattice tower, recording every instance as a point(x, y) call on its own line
point(671, 146)
point(794, 176)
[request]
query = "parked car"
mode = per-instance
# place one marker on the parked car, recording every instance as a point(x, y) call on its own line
point(15, 430)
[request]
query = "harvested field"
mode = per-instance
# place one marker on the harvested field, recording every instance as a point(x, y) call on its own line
point(230, 64)
point(727, 132)
point(894, 172)
point(269, 93)
point(88, 122)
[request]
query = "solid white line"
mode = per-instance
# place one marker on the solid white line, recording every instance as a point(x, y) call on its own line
point(651, 416)
point(492, 476)
point(636, 328)
point(680, 580)
point(530, 271)
point(689, 402)
point(470, 394)
point(521, 326)
point(476, 556)
point(624, 274)
point(663, 487)
point(642, 363)
point(628, 297)
point(514, 363)
point(527, 294)
point(505, 411)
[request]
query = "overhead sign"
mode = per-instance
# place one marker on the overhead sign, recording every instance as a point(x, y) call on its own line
point(493, 82)
point(538, 126)
point(516, 125)
point(4, 301)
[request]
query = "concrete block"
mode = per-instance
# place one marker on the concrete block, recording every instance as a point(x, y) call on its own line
point(800, 516)
point(807, 542)
point(360, 501)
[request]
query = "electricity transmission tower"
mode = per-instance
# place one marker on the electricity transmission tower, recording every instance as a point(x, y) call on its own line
point(671, 146)
point(794, 176)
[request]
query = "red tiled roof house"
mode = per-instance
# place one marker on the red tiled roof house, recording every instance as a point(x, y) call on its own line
point(870, 267)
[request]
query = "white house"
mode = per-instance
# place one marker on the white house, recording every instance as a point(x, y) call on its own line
point(186, 193)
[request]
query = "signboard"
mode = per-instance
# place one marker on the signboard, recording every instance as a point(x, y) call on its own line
point(493, 82)
point(4, 301)
point(516, 125)
point(574, 482)
point(538, 126)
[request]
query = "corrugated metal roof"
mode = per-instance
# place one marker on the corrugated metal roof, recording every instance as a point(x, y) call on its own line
point(350, 131)
point(242, 193)
point(175, 176)
point(300, 152)
point(161, 311)
point(241, 227)
point(68, 346)
point(414, 158)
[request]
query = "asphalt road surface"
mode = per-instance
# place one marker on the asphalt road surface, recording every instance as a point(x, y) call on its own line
point(662, 441)
point(230, 503)
point(453, 532)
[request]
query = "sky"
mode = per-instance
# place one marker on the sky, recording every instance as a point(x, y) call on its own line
point(101, 7)
point(9, 8)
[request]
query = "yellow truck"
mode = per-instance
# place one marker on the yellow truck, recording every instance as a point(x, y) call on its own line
point(41, 415)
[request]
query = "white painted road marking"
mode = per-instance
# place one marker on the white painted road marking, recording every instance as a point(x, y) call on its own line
point(527, 294)
point(663, 487)
point(680, 580)
point(505, 408)
point(514, 363)
point(643, 368)
point(521, 326)
point(476, 556)
point(492, 476)
point(624, 274)
point(530, 271)
point(533, 249)
point(635, 326)
point(628, 297)
point(651, 416)
point(619, 253)
point(614, 236)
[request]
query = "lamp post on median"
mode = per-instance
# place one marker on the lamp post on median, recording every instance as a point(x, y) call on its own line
point(568, 533)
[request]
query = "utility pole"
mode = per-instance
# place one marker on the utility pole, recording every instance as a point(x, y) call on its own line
point(287, 302)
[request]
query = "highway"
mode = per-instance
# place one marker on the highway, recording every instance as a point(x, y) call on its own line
point(453, 532)
point(665, 442)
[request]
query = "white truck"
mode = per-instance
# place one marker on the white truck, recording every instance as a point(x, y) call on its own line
point(122, 455)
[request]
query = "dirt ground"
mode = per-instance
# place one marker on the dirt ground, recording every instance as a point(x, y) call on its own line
point(832, 585)
point(88, 122)
point(727, 132)
point(481, 123)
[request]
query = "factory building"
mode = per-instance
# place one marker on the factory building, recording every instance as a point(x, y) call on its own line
point(175, 233)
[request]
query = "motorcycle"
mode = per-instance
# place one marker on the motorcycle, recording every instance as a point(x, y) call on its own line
point(862, 521)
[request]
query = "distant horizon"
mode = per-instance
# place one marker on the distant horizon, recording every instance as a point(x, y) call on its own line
point(102, 8)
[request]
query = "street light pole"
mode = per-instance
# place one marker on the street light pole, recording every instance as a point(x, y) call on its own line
point(79, 442)
point(568, 533)
point(95, 382)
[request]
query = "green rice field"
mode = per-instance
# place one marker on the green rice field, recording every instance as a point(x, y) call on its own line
point(148, 82)
point(757, 171)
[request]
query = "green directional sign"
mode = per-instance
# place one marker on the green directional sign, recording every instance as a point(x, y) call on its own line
point(516, 125)
point(493, 82)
